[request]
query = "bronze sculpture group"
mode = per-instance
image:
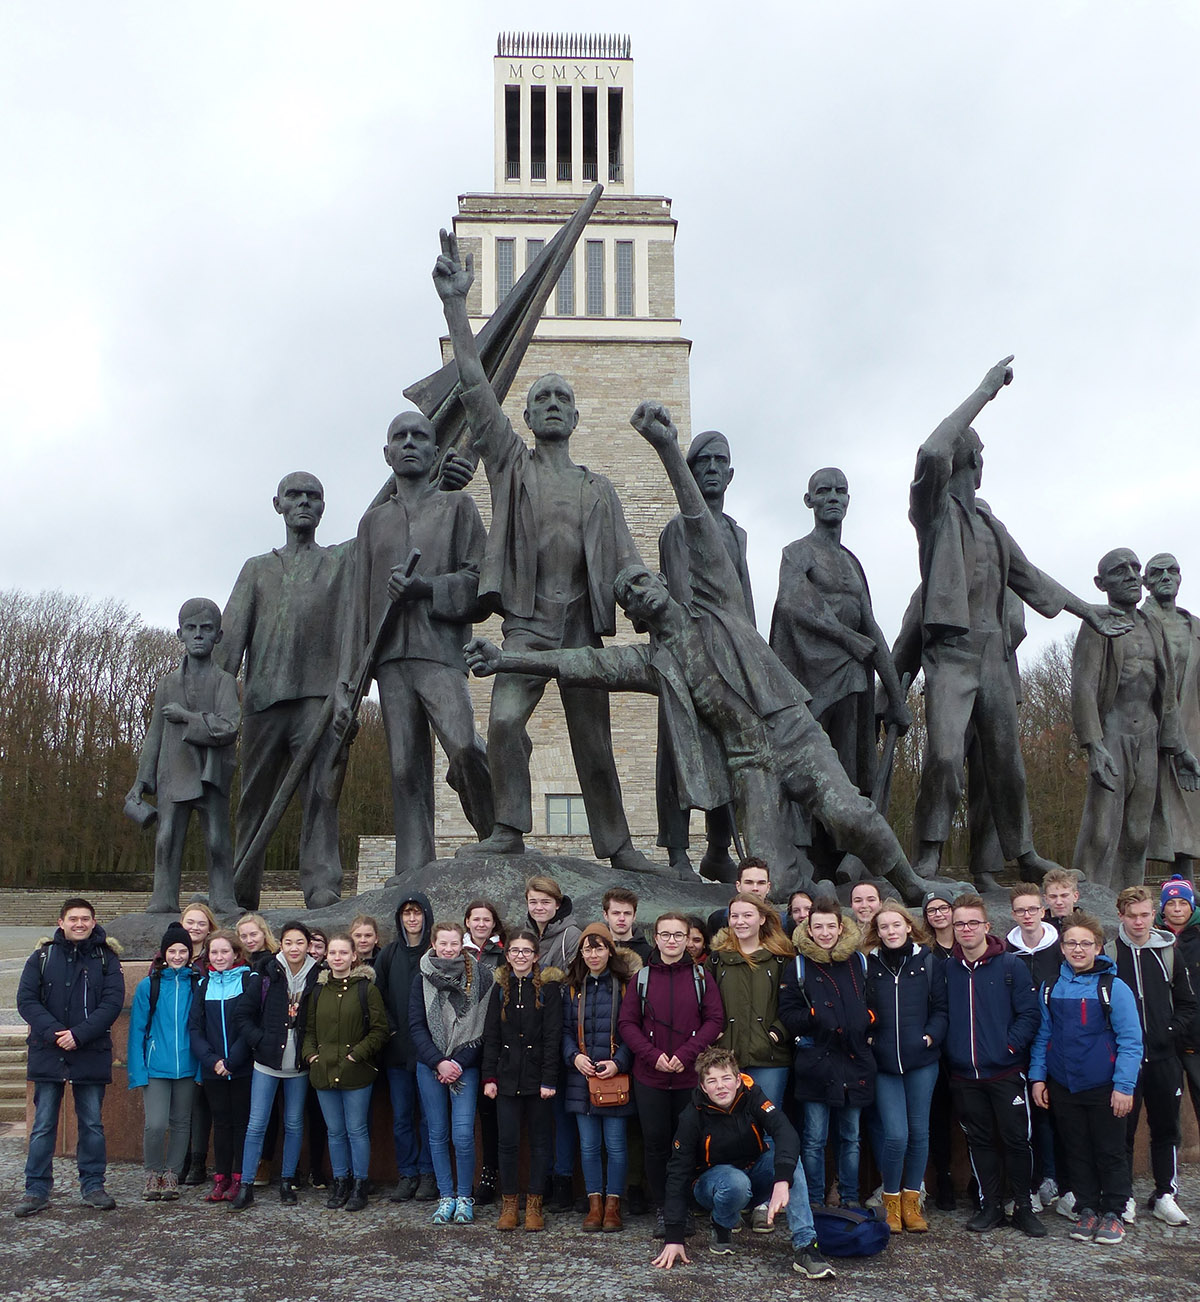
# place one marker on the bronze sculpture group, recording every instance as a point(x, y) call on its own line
point(775, 741)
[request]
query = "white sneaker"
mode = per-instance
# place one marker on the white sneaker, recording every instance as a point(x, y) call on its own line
point(1048, 1191)
point(876, 1199)
point(1010, 1207)
point(1129, 1215)
point(1167, 1210)
point(1035, 1201)
point(1066, 1205)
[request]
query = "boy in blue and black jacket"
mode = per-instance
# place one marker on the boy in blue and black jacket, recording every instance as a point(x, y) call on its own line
point(1084, 1067)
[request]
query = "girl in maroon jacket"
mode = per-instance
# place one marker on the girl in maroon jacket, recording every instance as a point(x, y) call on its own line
point(671, 1013)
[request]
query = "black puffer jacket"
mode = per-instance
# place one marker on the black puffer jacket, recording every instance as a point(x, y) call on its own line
point(262, 1016)
point(522, 1036)
point(395, 972)
point(830, 1020)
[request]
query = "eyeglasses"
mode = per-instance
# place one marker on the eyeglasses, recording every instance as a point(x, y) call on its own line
point(1028, 913)
point(970, 925)
point(1079, 944)
point(520, 951)
point(671, 935)
point(938, 908)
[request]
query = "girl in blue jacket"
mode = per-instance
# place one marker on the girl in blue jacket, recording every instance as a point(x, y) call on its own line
point(1084, 1067)
point(225, 1062)
point(161, 1062)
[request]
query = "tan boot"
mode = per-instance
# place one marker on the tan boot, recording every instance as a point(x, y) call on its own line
point(508, 1212)
point(891, 1205)
point(612, 1215)
point(910, 1211)
point(534, 1220)
point(593, 1222)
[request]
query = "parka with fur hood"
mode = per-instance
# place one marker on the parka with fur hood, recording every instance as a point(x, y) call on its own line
point(346, 1046)
point(829, 1020)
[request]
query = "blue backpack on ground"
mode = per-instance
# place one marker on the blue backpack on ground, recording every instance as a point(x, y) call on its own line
point(850, 1232)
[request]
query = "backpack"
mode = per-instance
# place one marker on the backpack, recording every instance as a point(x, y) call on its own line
point(850, 1231)
point(642, 980)
point(1104, 985)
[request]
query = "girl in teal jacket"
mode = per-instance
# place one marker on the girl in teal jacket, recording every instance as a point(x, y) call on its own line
point(162, 1064)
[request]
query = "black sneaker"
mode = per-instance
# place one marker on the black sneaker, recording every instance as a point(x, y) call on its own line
point(31, 1204)
point(986, 1218)
point(721, 1243)
point(808, 1261)
point(406, 1188)
point(660, 1224)
point(427, 1190)
point(99, 1198)
point(1024, 1219)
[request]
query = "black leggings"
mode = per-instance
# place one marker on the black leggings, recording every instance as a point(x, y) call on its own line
point(229, 1099)
point(659, 1112)
point(538, 1116)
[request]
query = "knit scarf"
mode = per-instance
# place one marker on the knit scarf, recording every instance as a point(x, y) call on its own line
point(456, 991)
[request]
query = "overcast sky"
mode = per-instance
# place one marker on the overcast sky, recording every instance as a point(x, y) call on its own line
point(219, 222)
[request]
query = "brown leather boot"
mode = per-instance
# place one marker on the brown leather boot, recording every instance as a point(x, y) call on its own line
point(508, 1212)
point(891, 1205)
point(593, 1222)
point(910, 1211)
point(534, 1220)
point(612, 1215)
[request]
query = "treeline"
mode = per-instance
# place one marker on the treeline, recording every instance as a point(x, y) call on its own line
point(77, 679)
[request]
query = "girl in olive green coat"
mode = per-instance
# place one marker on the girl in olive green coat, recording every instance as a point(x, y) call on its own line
point(346, 1030)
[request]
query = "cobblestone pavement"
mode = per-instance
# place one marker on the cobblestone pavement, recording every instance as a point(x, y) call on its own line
point(272, 1253)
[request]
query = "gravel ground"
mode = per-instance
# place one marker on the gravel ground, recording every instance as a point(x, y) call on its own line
point(272, 1253)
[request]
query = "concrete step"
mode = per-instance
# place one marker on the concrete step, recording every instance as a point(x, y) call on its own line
point(12, 1112)
point(12, 1089)
point(12, 1054)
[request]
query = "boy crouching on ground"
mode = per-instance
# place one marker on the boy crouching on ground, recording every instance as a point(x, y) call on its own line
point(720, 1154)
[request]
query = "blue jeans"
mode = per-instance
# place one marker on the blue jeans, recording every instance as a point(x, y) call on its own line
point(262, 1094)
point(450, 1115)
point(773, 1083)
point(816, 1133)
point(89, 1151)
point(727, 1191)
point(902, 1104)
point(347, 1116)
point(410, 1134)
point(600, 1134)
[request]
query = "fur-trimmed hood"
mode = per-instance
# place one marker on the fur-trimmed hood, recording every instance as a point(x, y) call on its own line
point(98, 936)
point(360, 972)
point(847, 943)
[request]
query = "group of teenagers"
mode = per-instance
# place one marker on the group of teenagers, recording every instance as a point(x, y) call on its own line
point(664, 1060)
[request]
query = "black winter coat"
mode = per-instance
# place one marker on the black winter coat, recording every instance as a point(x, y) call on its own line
point(261, 1018)
point(395, 972)
point(76, 987)
point(522, 1036)
point(601, 1007)
point(907, 1006)
point(834, 1063)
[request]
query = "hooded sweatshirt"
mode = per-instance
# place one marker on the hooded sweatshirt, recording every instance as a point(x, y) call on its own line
point(1187, 951)
point(1043, 959)
point(559, 943)
point(1160, 983)
point(395, 970)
